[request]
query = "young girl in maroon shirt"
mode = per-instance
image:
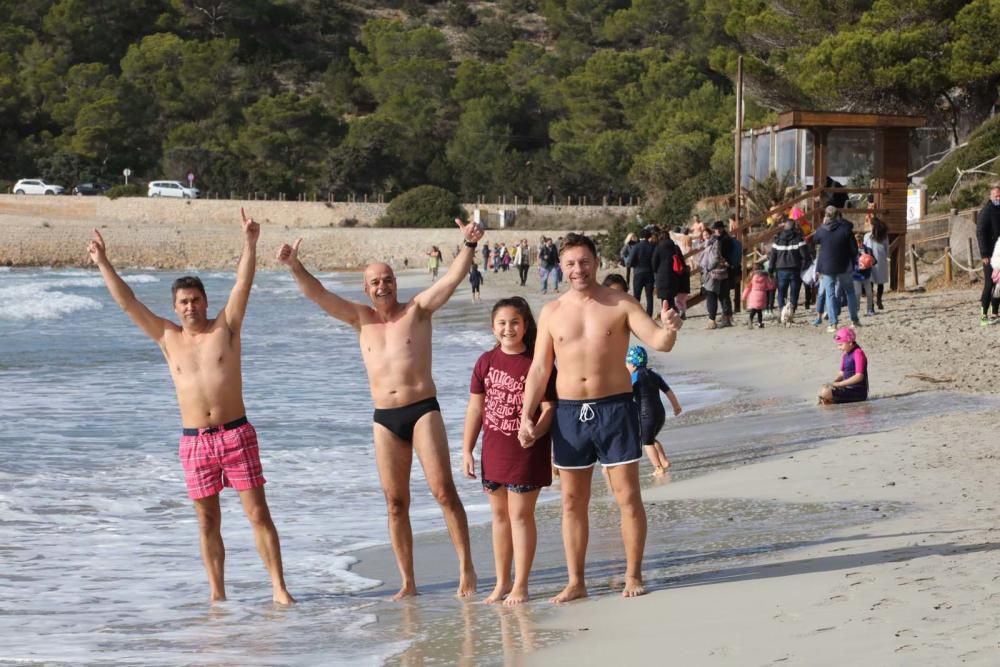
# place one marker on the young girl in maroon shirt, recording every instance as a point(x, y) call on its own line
point(512, 475)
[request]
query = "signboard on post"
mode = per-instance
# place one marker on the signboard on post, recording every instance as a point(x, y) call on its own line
point(126, 173)
point(190, 179)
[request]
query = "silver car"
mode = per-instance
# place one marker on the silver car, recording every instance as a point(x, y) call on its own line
point(171, 189)
point(36, 186)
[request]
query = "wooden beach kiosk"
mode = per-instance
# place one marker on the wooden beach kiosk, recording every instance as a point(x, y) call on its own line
point(802, 142)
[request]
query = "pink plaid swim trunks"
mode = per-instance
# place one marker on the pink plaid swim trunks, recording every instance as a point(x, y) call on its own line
point(221, 456)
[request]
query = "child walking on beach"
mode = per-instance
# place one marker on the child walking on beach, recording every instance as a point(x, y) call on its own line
point(755, 295)
point(476, 280)
point(512, 475)
point(646, 387)
point(851, 383)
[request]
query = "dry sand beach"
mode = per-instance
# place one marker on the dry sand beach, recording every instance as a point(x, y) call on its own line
point(914, 578)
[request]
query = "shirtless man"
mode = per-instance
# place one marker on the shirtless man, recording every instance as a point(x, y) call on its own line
point(395, 340)
point(218, 446)
point(586, 332)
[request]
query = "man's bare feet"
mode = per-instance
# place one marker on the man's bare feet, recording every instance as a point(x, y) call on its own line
point(283, 597)
point(467, 584)
point(498, 593)
point(407, 591)
point(570, 593)
point(666, 465)
point(217, 597)
point(658, 471)
point(633, 587)
point(517, 596)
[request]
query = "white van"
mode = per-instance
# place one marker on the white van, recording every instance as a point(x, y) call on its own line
point(171, 189)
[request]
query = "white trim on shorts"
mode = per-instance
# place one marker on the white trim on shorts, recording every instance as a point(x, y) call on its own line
point(621, 463)
point(556, 465)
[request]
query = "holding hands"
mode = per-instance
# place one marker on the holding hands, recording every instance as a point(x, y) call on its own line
point(526, 434)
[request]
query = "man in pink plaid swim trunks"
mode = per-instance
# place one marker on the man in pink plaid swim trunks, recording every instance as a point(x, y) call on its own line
point(219, 446)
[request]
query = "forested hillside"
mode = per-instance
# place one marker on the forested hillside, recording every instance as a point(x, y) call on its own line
point(481, 98)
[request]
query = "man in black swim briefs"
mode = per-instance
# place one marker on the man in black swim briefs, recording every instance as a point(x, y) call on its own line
point(395, 340)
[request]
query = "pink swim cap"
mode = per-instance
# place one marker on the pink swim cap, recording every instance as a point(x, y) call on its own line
point(845, 335)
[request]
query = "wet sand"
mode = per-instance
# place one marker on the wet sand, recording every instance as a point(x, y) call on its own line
point(784, 528)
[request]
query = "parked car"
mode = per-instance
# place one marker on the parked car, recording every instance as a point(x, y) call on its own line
point(36, 186)
point(172, 189)
point(90, 188)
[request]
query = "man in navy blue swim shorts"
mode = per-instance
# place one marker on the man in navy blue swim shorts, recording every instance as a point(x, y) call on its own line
point(586, 332)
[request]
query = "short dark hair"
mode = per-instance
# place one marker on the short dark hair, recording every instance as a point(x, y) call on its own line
point(187, 282)
point(615, 279)
point(645, 233)
point(573, 240)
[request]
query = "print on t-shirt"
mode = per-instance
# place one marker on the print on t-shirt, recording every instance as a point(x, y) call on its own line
point(504, 397)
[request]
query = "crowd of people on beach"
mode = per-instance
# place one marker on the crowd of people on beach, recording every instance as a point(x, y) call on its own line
point(562, 393)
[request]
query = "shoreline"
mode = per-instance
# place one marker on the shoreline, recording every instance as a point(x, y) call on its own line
point(773, 370)
point(921, 344)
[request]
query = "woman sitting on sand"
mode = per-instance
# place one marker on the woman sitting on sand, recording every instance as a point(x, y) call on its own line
point(851, 383)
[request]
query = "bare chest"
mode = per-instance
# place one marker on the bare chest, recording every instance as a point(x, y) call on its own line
point(204, 353)
point(406, 336)
point(592, 324)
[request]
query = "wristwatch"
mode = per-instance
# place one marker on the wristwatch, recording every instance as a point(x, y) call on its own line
point(471, 244)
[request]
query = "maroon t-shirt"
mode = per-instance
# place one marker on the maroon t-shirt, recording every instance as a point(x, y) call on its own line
point(500, 376)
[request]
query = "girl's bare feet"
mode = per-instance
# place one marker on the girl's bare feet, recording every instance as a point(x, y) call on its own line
point(570, 593)
point(518, 595)
point(498, 594)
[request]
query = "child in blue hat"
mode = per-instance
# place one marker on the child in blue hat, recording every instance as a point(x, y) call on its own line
point(646, 387)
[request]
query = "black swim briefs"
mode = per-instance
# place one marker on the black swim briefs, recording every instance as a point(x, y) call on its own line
point(401, 420)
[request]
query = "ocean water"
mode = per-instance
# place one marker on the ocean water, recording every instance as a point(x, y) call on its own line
point(98, 541)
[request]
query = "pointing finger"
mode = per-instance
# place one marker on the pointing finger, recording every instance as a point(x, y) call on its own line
point(97, 235)
point(295, 246)
point(243, 215)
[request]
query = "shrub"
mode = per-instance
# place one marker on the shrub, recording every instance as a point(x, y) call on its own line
point(983, 144)
point(423, 206)
point(609, 245)
point(130, 190)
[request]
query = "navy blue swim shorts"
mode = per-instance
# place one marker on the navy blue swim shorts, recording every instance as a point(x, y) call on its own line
point(602, 429)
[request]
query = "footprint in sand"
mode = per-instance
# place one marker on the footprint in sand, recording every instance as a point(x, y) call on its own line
point(906, 648)
point(905, 632)
point(885, 602)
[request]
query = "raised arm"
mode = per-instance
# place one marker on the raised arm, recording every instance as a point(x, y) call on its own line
point(437, 294)
point(312, 288)
point(538, 378)
point(660, 338)
point(236, 307)
point(152, 325)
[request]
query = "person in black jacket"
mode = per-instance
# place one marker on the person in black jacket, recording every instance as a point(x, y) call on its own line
point(835, 266)
point(669, 283)
point(789, 256)
point(640, 260)
point(987, 233)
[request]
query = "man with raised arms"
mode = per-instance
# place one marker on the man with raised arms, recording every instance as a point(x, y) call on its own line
point(395, 340)
point(219, 446)
point(586, 333)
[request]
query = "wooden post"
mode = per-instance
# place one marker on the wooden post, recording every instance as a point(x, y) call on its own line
point(947, 265)
point(972, 261)
point(739, 135)
point(913, 256)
